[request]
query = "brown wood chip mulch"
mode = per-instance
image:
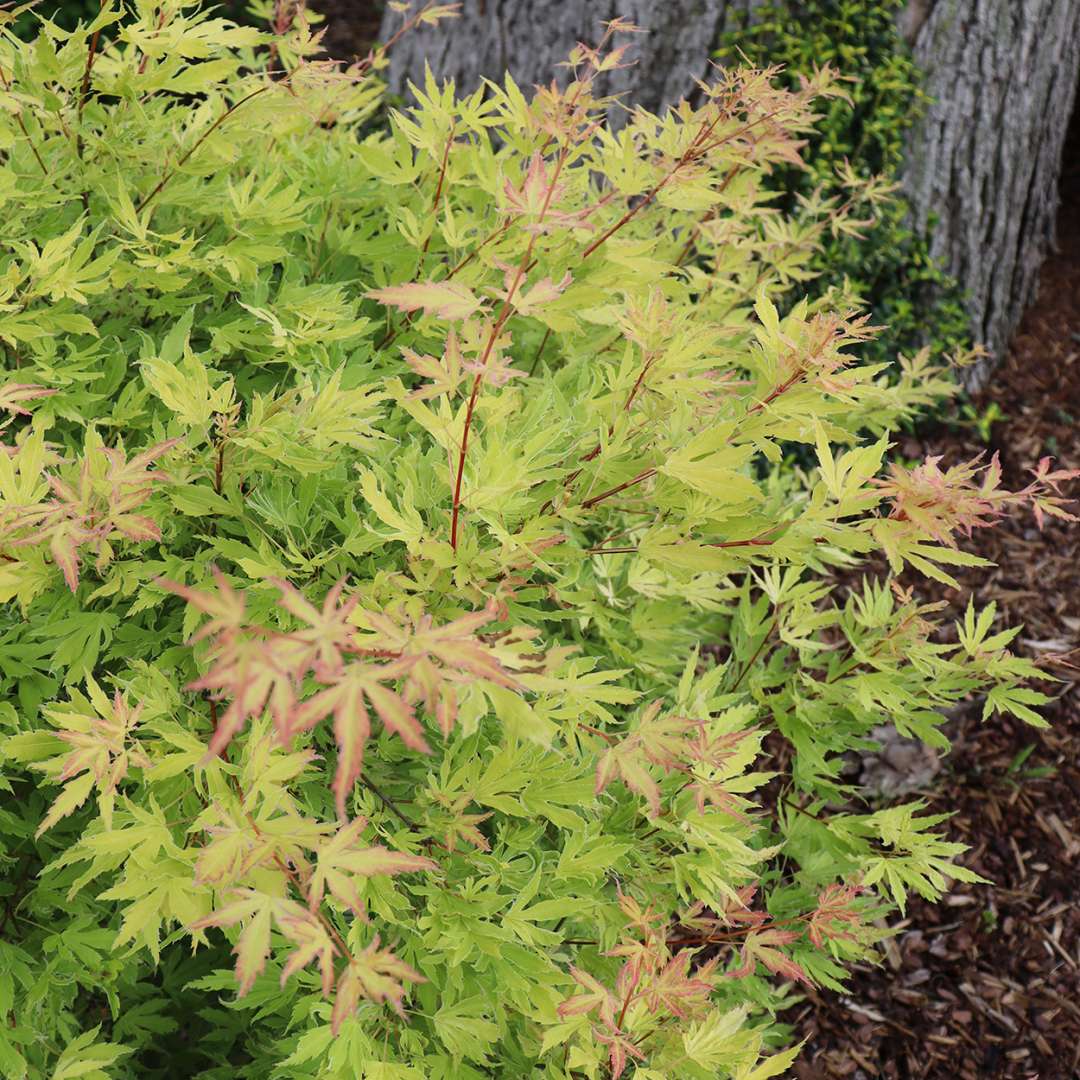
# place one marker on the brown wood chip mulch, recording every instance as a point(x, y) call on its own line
point(986, 984)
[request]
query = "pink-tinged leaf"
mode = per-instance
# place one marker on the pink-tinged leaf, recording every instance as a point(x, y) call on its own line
point(620, 1048)
point(225, 606)
point(13, 393)
point(542, 293)
point(136, 527)
point(347, 701)
point(252, 949)
point(447, 299)
point(342, 858)
point(761, 945)
point(397, 716)
point(308, 933)
point(596, 997)
point(673, 990)
point(445, 376)
point(65, 553)
point(328, 634)
point(253, 946)
point(352, 729)
point(626, 762)
point(253, 673)
point(835, 917)
point(376, 975)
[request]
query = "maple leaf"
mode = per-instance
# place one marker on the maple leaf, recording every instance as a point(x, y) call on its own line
point(97, 508)
point(656, 740)
point(256, 673)
point(625, 762)
point(329, 632)
point(257, 911)
point(438, 658)
point(529, 302)
point(101, 751)
point(341, 860)
point(620, 1049)
point(673, 989)
point(449, 300)
point(312, 941)
point(835, 918)
point(729, 911)
point(445, 376)
point(596, 998)
point(347, 700)
point(11, 394)
point(497, 370)
point(462, 826)
point(761, 945)
point(375, 974)
point(252, 948)
point(537, 200)
point(233, 850)
point(225, 606)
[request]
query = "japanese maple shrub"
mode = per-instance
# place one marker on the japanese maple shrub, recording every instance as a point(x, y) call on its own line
point(398, 585)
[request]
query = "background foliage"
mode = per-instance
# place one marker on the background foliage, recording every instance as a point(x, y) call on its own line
point(889, 265)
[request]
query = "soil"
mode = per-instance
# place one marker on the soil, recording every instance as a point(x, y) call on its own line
point(986, 984)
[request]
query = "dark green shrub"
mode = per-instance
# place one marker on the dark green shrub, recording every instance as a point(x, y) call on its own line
point(888, 266)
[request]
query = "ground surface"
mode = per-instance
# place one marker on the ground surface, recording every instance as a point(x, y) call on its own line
point(986, 985)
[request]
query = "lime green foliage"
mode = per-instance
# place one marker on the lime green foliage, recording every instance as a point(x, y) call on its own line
point(399, 595)
point(887, 266)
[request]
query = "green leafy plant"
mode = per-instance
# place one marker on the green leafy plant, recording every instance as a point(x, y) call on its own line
point(413, 661)
point(883, 263)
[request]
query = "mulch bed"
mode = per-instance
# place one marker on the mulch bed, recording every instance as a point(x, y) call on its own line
point(986, 984)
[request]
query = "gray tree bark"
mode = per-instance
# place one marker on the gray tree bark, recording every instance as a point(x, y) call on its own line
point(529, 38)
point(982, 167)
point(986, 159)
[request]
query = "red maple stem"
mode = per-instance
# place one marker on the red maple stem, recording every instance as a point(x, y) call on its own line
point(504, 314)
point(645, 474)
point(439, 186)
point(22, 126)
point(695, 150)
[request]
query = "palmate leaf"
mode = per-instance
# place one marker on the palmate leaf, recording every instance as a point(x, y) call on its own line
point(375, 974)
point(258, 911)
point(435, 660)
point(347, 700)
point(341, 859)
point(98, 730)
point(446, 299)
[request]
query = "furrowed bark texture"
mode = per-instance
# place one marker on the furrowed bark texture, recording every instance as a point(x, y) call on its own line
point(986, 159)
point(529, 38)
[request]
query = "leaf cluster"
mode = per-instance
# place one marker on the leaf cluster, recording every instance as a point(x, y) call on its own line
point(415, 656)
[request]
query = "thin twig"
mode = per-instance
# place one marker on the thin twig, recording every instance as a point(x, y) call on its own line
point(195, 146)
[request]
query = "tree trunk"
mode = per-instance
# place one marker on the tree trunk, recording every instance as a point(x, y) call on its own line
point(529, 38)
point(986, 159)
point(982, 166)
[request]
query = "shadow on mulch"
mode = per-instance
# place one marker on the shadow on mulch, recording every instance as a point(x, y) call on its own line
point(986, 985)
